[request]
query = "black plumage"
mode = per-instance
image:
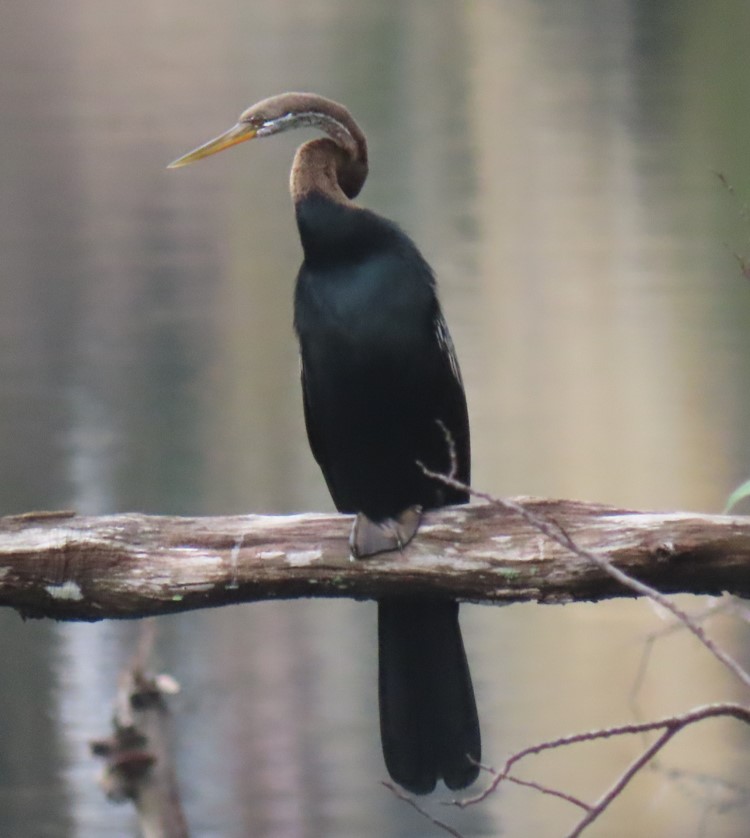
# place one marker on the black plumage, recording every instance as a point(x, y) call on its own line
point(382, 393)
point(379, 378)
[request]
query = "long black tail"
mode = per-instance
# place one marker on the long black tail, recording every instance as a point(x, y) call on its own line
point(428, 716)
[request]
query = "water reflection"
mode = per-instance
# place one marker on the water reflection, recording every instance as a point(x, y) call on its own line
point(553, 161)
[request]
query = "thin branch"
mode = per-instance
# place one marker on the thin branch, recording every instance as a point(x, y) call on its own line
point(568, 798)
point(719, 605)
point(736, 794)
point(553, 530)
point(671, 724)
point(617, 787)
point(562, 795)
point(402, 795)
point(744, 214)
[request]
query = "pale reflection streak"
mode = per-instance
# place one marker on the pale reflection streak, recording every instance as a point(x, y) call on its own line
point(87, 668)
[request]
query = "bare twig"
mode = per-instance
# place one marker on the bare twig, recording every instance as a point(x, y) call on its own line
point(563, 795)
point(668, 726)
point(401, 795)
point(557, 533)
point(731, 709)
point(744, 213)
point(718, 605)
point(598, 808)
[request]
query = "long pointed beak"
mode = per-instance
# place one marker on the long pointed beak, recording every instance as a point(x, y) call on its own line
point(237, 134)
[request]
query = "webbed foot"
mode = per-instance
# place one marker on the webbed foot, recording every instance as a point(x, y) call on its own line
point(369, 537)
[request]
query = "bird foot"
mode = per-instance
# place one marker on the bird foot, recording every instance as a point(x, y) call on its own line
point(370, 537)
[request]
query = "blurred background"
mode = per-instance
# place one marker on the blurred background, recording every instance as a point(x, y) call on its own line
point(556, 163)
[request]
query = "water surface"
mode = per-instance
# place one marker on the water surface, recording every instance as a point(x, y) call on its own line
point(555, 164)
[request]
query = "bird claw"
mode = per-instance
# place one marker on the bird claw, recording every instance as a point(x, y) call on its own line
point(368, 538)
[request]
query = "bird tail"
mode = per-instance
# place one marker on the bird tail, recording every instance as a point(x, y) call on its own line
point(428, 716)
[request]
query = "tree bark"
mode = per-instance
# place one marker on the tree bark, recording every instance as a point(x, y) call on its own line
point(66, 566)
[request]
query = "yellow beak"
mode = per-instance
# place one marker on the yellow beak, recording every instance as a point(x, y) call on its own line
point(237, 134)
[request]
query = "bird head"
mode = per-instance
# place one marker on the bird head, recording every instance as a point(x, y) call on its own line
point(282, 113)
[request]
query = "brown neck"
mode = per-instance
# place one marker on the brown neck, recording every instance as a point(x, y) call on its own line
point(335, 166)
point(326, 167)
